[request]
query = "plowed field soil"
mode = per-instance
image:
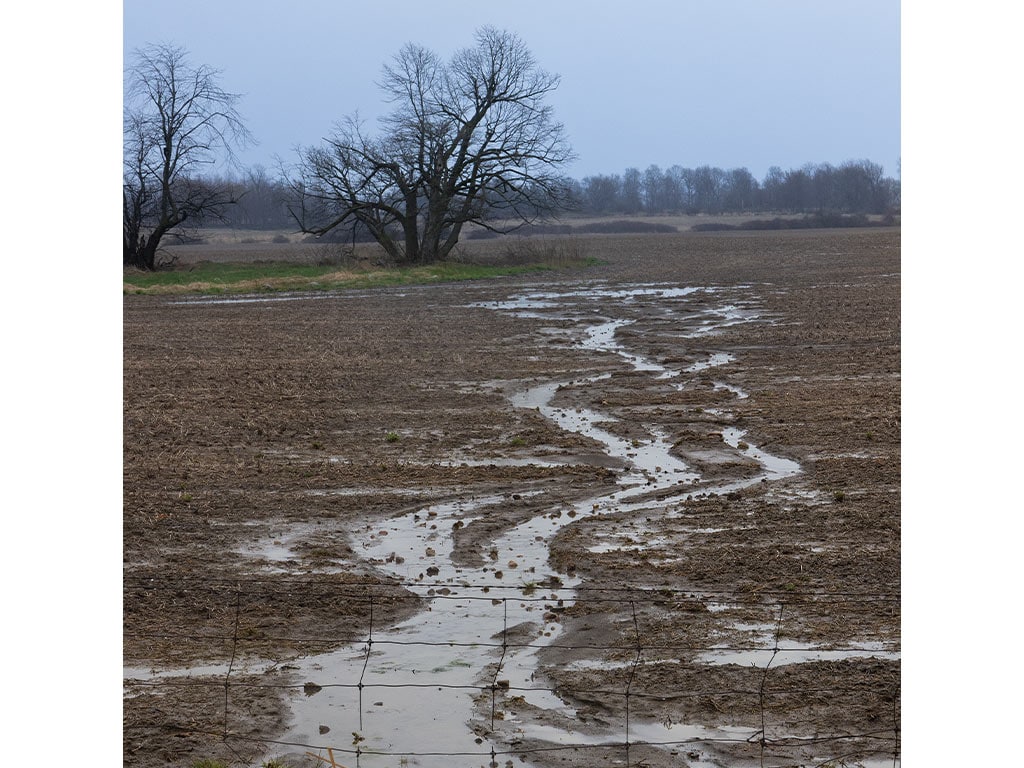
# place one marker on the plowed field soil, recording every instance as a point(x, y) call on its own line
point(263, 440)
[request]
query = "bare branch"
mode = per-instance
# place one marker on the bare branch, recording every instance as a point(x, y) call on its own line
point(468, 140)
point(177, 120)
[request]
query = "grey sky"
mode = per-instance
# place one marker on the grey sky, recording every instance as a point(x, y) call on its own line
point(728, 83)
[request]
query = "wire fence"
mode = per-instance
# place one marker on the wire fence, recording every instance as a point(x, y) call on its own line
point(744, 689)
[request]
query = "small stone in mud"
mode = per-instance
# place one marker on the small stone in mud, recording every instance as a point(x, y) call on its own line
point(378, 703)
point(457, 524)
point(433, 570)
point(430, 552)
point(494, 553)
point(513, 564)
point(324, 729)
point(498, 574)
point(311, 688)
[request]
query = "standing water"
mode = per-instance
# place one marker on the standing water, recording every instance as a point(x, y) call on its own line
point(411, 693)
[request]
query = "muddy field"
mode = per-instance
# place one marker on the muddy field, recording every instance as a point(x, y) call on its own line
point(282, 457)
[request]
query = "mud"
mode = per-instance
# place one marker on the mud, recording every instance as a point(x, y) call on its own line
point(269, 443)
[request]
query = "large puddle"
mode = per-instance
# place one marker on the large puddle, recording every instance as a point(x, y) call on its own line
point(415, 691)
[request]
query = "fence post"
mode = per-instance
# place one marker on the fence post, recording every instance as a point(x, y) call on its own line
point(501, 661)
point(231, 663)
point(632, 673)
point(764, 678)
point(366, 662)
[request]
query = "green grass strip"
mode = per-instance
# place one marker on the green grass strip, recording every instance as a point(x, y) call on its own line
point(221, 278)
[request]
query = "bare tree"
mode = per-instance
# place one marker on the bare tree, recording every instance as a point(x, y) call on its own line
point(177, 119)
point(741, 190)
point(631, 184)
point(601, 193)
point(469, 141)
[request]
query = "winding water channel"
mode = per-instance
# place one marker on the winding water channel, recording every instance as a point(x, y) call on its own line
point(418, 681)
point(417, 688)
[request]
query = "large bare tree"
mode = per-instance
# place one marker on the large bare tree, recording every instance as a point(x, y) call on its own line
point(470, 141)
point(177, 120)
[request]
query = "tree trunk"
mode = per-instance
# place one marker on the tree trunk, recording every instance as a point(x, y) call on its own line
point(141, 253)
point(413, 254)
point(147, 256)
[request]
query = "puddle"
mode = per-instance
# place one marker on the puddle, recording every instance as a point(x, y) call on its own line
point(207, 670)
point(759, 648)
point(713, 361)
point(791, 652)
point(775, 467)
point(602, 338)
point(277, 297)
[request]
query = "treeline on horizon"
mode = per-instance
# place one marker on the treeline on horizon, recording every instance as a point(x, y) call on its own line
point(856, 187)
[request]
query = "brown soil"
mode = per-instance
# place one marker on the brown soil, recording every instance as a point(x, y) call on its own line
point(244, 421)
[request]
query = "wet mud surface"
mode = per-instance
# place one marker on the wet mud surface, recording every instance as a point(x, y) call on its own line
point(659, 497)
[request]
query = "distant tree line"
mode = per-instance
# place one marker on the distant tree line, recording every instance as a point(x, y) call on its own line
point(858, 187)
point(854, 187)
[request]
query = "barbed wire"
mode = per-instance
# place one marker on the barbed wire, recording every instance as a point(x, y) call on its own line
point(628, 600)
point(637, 593)
point(885, 737)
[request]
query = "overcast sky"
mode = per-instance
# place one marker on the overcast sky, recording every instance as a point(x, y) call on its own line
point(728, 83)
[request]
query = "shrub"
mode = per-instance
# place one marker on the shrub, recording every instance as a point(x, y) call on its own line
point(713, 227)
point(558, 252)
point(544, 229)
point(625, 226)
point(819, 220)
